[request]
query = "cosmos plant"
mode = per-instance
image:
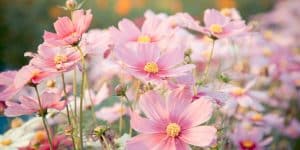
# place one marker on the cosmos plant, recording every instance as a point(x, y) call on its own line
point(170, 83)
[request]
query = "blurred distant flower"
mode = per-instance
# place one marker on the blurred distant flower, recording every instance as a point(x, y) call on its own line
point(220, 26)
point(113, 113)
point(68, 32)
point(7, 89)
point(123, 7)
point(168, 127)
point(226, 3)
point(249, 139)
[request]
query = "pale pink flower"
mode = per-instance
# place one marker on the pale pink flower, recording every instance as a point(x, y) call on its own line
point(147, 63)
point(113, 113)
point(171, 124)
point(68, 32)
point(152, 31)
point(243, 97)
point(29, 105)
point(249, 138)
point(96, 42)
point(56, 59)
point(220, 26)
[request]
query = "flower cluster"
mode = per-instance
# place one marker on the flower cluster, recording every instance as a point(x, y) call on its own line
point(170, 83)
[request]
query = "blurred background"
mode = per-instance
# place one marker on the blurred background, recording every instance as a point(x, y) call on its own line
point(22, 22)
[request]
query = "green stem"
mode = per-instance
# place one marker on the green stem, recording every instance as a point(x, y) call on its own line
point(92, 103)
point(81, 98)
point(209, 62)
point(106, 143)
point(68, 112)
point(75, 92)
point(43, 117)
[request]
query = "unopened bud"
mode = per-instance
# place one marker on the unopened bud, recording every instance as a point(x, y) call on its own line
point(100, 130)
point(69, 130)
point(51, 84)
point(71, 4)
point(121, 90)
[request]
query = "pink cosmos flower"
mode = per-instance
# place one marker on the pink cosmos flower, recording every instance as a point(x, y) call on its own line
point(29, 105)
point(96, 42)
point(249, 139)
point(219, 26)
point(244, 97)
point(146, 62)
point(182, 87)
point(171, 124)
point(293, 129)
point(97, 98)
point(55, 59)
point(113, 113)
point(69, 31)
point(152, 31)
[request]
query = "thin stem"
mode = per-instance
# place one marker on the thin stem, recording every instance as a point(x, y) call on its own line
point(127, 99)
point(43, 117)
point(75, 92)
point(209, 61)
point(81, 97)
point(121, 119)
point(68, 112)
point(107, 145)
point(92, 103)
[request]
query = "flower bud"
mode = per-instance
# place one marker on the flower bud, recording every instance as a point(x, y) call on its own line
point(68, 130)
point(71, 4)
point(121, 90)
point(100, 130)
point(51, 84)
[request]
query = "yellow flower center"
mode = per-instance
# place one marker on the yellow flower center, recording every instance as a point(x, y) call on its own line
point(15, 123)
point(257, 117)
point(151, 67)
point(216, 28)
point(59, 59)
point(238, 91)
point(6, 142)
point(121, 110)
point(247, 144)
point(267, 52)
point(51, 84)
point(173, 129)
point(144, 39)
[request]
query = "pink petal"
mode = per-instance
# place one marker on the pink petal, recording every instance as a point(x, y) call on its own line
point(148, 52)
point(153, 106)
point(129, 29)
point(171, 58)
point(144, 141)
point(199, 136)
point(212, 16)
point(144, 125)
point(196, 113)
point(166, 144)
point(63, 26)
point(179, 71)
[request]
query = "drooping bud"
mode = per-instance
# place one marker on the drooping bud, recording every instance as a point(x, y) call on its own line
point(121, 90)
point(2, 107)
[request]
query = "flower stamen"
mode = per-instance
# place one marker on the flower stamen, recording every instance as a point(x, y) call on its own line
point(173, 129)
point(151, 67)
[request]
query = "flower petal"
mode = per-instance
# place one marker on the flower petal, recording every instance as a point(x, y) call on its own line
point(199, 136)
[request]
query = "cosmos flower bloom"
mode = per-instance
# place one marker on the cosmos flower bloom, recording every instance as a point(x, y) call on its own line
point(55, 59)
point(13, 81)
point(182, 86)
point(113, 113)
point(152, 31)
point(243, 96)
point(171, 125)
point(29, 105)
point(220, 26)
point(96, 42)
point(69, 32)
point(249, 138)
point(146, 62)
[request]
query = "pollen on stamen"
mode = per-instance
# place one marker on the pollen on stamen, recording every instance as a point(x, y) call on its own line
point(151, 67)
point(216, 28)
point(144, 39)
